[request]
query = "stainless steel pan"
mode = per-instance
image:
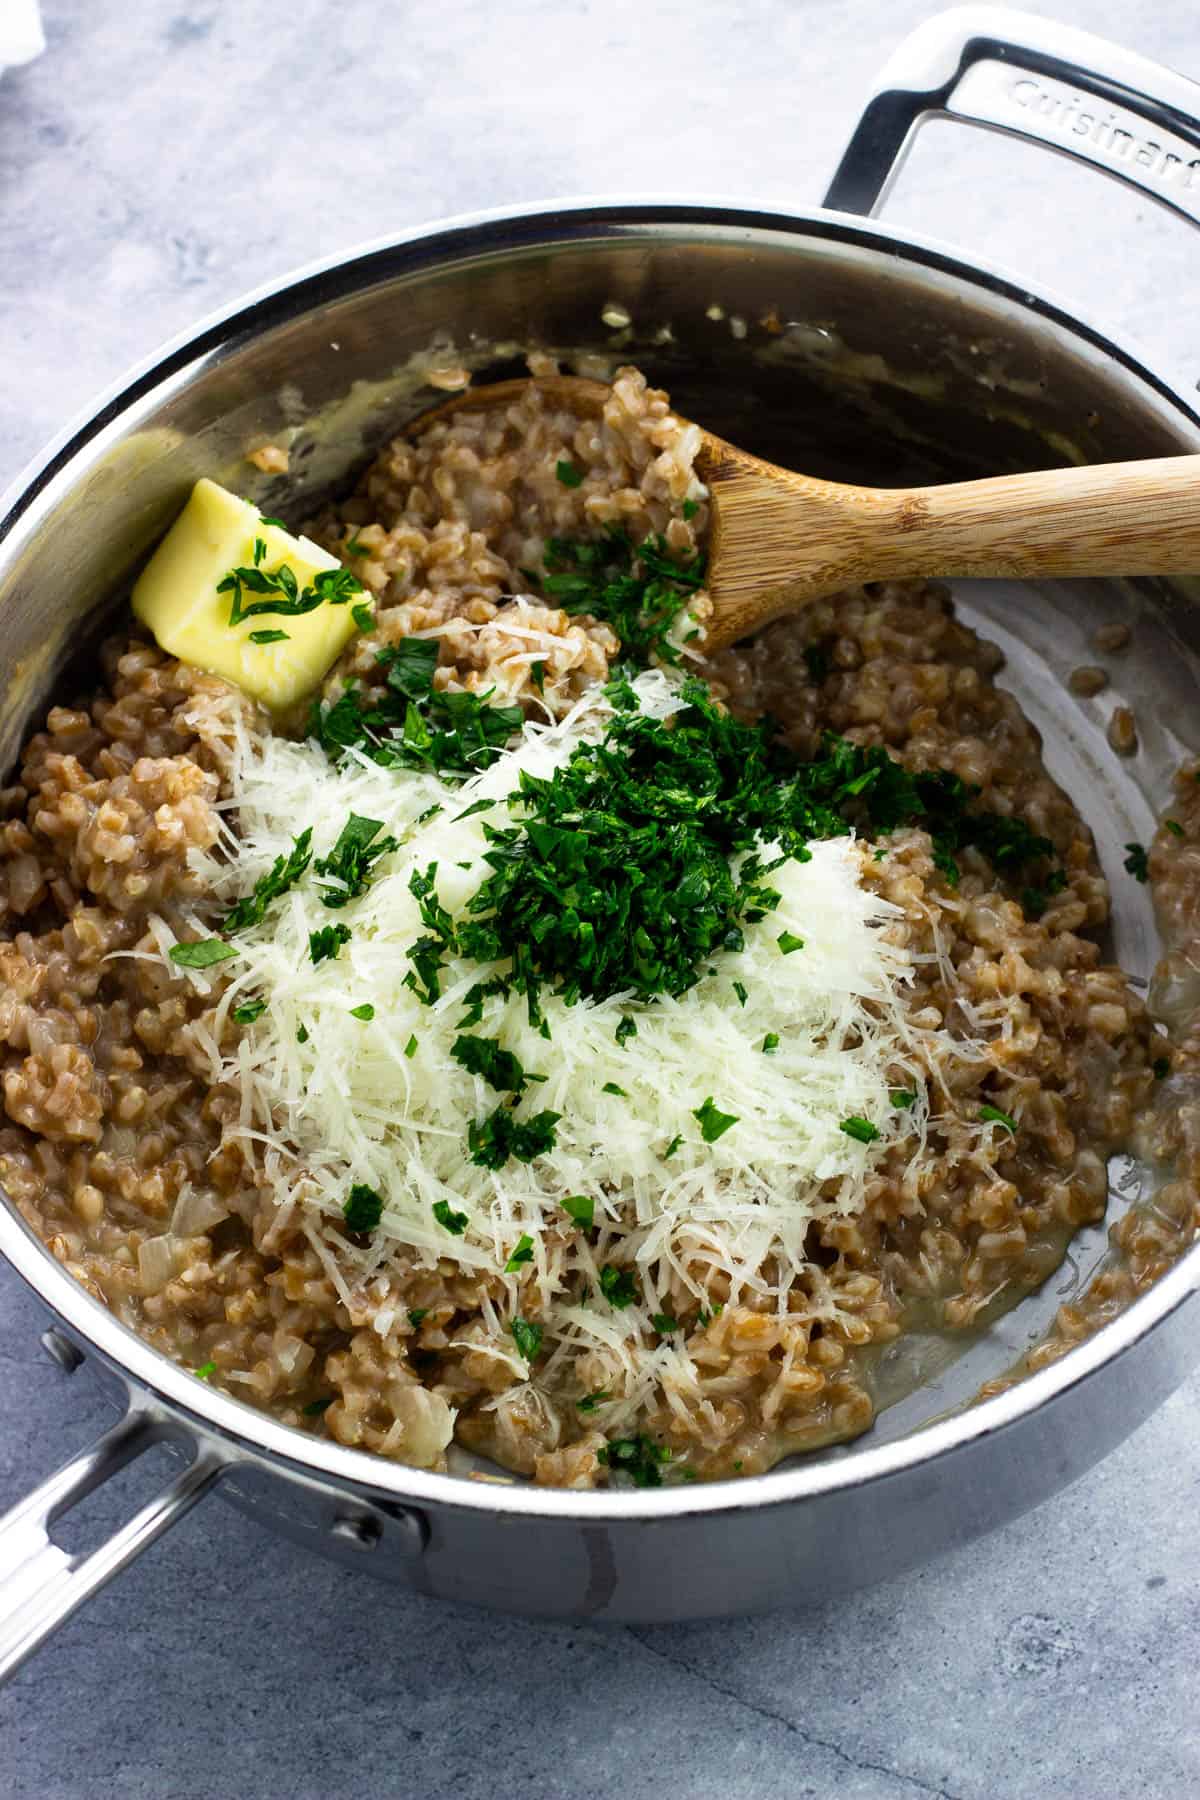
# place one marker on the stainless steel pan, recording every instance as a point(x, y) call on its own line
point(864, 353)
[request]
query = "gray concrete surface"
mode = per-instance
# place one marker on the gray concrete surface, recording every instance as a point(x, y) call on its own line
point(163, 156)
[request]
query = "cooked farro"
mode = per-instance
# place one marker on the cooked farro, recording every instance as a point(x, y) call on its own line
point(133, 1164)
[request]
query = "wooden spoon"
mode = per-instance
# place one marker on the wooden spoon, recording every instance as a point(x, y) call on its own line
point(778, 539)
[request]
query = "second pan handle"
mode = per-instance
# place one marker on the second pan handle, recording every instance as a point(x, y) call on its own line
point(41, 1584)
point(1036, 79)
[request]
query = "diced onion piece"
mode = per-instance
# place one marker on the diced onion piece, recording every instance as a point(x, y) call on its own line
point(426, 1424)
point(156, 1263)
point(292, 1354)
point(197, 1210)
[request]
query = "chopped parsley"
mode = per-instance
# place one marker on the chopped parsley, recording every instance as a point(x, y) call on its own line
point(991, 1115)
point(610, 1087)
point(590, 1402)
point(281, 590)
point(630, 866)
point(1137, 863)
point(713, 1122)
point(527, 1337)
point(475, 997)
point(283, 874)
point(706, 1315)
point(788, 942)
point(270, 637)
point(410, 665)
point(426, 953)
point(741, 993)
point(364, 616)
point(454, 1222)
point(522, 1253)
point(302, 1034)
point(673, 1146)
point(537, 674)
point(568, 474)
point(484, 1056)
point(352, 860)
point(410, 724)
point(416, 1315)
point(249, 1010)
point(493, 1140)
point(770, 1043)
point(861, 1130)
point(363, 1208)
point(903, 1098)
point(205, 1370)
point(1174, 826)
point(638, 1457)
point(202, 955)
point(315, 1408)
point(690, 508)
point(325, 943)
point(618, 1286)
point(639, 591)
point(1036, 899)
point(581, 1208)
point(625, 1030)
point(268, 520)
point(664, 1323)
point(366, 1012)
point(410, 1049)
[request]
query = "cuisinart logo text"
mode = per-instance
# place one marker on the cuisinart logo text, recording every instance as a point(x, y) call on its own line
point(1107, 132)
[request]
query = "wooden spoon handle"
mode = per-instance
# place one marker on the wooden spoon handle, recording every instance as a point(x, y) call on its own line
point(1135, 518)
point(780, 539)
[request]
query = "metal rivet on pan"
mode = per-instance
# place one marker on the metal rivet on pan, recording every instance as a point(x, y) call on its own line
point(358, 1529)
point(61, 1350)
point(410, 1530)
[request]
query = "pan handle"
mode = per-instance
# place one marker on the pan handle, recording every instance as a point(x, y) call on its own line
point(1034, 79)
point(41, 1585)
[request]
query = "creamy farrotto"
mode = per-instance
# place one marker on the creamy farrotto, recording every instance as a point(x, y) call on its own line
point(387, 1165)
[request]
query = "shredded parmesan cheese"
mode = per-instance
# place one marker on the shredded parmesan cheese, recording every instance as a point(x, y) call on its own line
point(355, 1101)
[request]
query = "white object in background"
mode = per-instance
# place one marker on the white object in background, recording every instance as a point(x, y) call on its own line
point(21, 37)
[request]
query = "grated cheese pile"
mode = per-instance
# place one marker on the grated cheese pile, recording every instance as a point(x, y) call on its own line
point(359, 1101)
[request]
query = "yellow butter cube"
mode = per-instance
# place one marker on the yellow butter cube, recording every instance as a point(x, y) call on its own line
point(176, 596)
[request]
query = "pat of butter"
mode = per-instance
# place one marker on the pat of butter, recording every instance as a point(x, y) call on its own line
point(176, 596)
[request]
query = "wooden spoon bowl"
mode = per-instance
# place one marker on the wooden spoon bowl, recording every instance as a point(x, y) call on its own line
point(779, 539)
